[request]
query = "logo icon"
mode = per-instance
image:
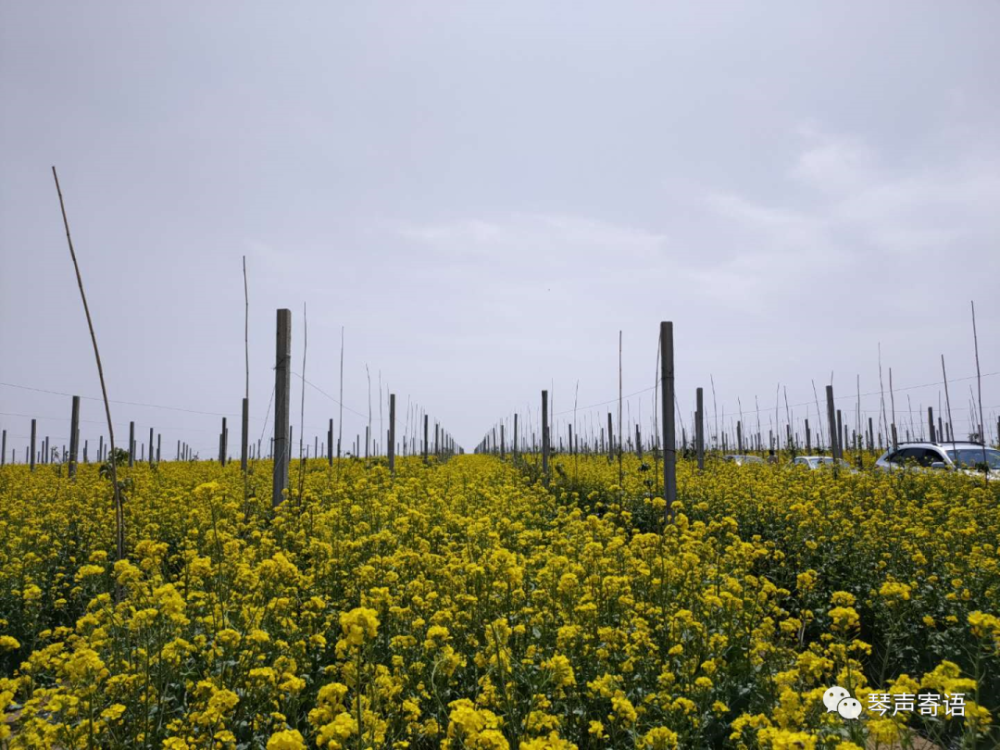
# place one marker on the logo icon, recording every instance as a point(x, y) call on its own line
point(839, 700)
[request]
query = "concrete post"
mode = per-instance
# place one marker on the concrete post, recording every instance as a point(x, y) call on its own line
point(699, 428)
point(831, 416)
point(545, 437)
point(667, 406)
point(74, 435)
point(282, 396)
point(392, 433)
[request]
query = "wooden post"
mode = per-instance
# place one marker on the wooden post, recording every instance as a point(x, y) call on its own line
point(159, 444)
point(667, 407)
point(638, 443)
point(131, 444)
point(437, 440)
point(840, 436)
point(74, 435)
point(503, 443)
point(151, 456)
point(282, 396)
point(699, 426)
point(545, 437)
point(809, 444)
point(831, 417)
point(426, 444)
point(739, 436)
point(515, 435)
point(930, 423)
point(871, 435)
point(100, 448)
point(3, 450)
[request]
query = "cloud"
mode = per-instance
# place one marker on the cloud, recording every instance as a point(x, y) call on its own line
point(833, 164)
point(540, 237)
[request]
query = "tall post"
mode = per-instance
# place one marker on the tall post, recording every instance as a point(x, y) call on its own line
point(329, 443)
point(3, 449)
point(222, 443)
point(425, 438)
point(515, 434)
point(667, 406)
point(392, 433)
point(739, 436)
point(545, 437)
point(159, 439)
point(151, 454)
point(809, 444)
point(831, 418)
point(282, 396)
point(437, 440)
point(930, 423)
point(131, 444)
point(611, 440)
point(503, 443)
point(74, 435)
point(699, 433)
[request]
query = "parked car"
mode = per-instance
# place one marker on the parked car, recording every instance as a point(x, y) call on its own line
point(740, 460)
point(959, 456)
point(815, 462)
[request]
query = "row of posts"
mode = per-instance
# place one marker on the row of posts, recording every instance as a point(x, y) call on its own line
point(489, 443)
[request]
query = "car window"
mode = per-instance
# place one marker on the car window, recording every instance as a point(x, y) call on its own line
point(931, 456)
point(912, 455)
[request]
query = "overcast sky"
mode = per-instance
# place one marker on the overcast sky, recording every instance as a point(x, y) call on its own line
point(483, 194)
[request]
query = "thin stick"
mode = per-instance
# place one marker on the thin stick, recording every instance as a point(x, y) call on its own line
point(621, 471)
point(819, 416)
point(576, 458)
point(979, 385)
point(892, 401)
point(368, 437)
point(246, 327)
point(881, 389)
point(302, 408)
point(951, 424)
point(119, 511)
point(715, 413)
point(340, 426)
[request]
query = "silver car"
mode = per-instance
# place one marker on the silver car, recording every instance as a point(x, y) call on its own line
point(960, 456)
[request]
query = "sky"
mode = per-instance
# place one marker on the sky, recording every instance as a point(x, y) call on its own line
point(481, 196)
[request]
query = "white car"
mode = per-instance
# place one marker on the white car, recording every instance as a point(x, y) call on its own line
point(960, 455)
point(815, 462)
point(740, 460)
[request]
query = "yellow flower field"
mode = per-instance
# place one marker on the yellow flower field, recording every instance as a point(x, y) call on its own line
point(466, 605)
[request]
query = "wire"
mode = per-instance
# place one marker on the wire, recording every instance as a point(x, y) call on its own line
point(768, 410)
